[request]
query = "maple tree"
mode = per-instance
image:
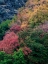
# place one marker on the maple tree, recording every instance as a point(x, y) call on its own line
point(9, 43)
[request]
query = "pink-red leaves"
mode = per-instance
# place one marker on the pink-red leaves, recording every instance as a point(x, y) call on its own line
point(9, 43)
point(27, 50)
point(15, 28)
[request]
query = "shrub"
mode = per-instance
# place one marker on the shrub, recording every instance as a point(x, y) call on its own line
point(23, 34)
point(15, 28)
point(2, 32)
point(39, 53)
point(15, 58)
point(5, 58)
point(19, 57)
point(34, 36)
point(45, 40)
point(26, 51)
point(9, 43)
point(3, 28)
point(37, 42)
point(37, 36)
point(5, 25)
point(39, 16)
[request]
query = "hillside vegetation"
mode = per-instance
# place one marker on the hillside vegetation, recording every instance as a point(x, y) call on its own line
point(24, 39)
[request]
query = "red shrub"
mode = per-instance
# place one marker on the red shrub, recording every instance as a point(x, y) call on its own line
point(9, 43)
point(27, 50)
point(15, 28)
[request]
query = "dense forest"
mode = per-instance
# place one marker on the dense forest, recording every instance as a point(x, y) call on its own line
point(24, 37)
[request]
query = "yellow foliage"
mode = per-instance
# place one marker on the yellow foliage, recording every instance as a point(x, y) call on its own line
point(35, 10)
point(24, 24)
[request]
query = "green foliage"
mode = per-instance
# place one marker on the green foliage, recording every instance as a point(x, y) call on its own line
point(37, 41)
point(5, 58)
point(15, 58)
point(19, 57)
point(45, 39)
point(39, 53)
point(4, 27)
point(37, 36)
point(23, 34)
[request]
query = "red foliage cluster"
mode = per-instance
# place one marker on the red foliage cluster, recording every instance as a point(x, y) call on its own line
point(9, 43)
point(15, 28)
point(27, 50)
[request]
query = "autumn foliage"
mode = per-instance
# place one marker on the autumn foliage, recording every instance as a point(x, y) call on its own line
point(26, 51)
point(15, 28)
point(9, 43)
point(24, 40)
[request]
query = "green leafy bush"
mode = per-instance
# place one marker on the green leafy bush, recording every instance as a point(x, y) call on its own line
point(37, 36)
point(19, 57)
point(45, 40)
point(37, 41)
point(5, 58)
point(23, 34)
point(4, 27)
point(15, 58)
point(39, 53)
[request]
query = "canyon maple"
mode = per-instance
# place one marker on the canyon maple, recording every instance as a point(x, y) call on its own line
point(9, 43)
